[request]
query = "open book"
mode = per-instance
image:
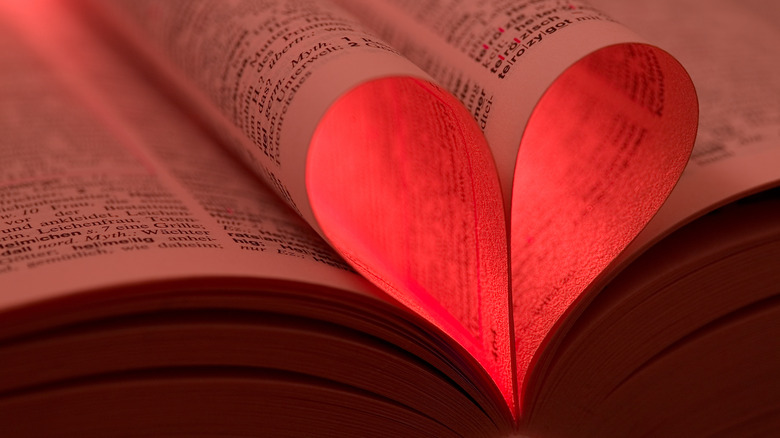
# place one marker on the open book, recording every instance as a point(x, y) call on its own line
point(394, 218)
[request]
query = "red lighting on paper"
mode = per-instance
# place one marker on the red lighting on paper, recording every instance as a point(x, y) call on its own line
point(403, 186)
point(595, 164)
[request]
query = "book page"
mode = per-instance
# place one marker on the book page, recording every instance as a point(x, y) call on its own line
point(385, 164)
point(590, 128)
point(104, 183)
point(737, 148)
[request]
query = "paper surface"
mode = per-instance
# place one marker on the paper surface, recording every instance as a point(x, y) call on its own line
point(737, 148)
point(105, 183)
point(264, 79)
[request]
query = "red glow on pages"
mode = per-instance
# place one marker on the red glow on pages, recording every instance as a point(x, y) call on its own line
point(403, 185)
point(601, 152)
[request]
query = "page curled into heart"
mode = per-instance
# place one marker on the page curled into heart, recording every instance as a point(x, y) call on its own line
point(403, 185)
point(602, 150)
